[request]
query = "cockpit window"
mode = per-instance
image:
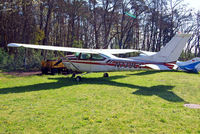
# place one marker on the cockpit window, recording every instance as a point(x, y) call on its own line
point(97, 57)
point(85, 56)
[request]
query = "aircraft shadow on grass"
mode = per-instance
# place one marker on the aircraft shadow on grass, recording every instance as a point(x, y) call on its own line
point(161, 91)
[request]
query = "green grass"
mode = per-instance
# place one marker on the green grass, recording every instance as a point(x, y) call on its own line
point(126, 102)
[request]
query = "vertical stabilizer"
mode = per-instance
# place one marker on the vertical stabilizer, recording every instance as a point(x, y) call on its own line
point(173, 49)
point(170, 52)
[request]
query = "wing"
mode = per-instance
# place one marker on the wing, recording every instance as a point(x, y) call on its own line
point(55, 48)
point(80, 50)
point(123, 51)
point(116, 51)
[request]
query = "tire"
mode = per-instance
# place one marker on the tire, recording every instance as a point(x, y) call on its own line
point(105, 75)
point(78, 78)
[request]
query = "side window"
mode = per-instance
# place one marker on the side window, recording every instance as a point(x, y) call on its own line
point(85, 56)
point(97, 57)
point(76, 54)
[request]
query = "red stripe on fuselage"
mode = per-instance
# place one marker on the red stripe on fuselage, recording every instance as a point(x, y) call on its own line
point(114, 63)
point(93, 63)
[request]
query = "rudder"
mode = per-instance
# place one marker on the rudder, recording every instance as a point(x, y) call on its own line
point(172, 50)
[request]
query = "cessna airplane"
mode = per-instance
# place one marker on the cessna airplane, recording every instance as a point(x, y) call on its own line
point(104, 60)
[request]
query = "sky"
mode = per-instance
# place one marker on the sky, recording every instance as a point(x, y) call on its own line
point(193, 4)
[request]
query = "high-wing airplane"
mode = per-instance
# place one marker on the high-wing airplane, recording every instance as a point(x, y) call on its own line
point(104, 60)
point(192, 65)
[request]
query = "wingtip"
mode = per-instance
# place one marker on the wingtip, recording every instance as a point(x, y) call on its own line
point(13, 45)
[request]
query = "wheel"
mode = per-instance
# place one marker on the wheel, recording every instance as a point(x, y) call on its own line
point(78, 78)
point(105, 75)
point(73, 75)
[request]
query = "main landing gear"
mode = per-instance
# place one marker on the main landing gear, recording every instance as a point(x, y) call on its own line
point(105, 75)
point(78, 78)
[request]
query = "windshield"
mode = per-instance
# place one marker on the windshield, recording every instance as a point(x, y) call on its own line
point(85, 56)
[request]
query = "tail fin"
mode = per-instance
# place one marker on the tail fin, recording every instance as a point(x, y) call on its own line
point(172, 50)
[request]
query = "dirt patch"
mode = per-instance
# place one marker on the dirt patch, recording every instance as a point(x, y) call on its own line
point(23, 73)
point(193, 106)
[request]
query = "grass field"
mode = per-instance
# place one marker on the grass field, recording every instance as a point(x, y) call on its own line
point(126, 102)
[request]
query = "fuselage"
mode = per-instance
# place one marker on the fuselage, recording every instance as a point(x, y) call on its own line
point(107, 63)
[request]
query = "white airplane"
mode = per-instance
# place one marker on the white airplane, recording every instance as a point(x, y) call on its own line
point(103, 60)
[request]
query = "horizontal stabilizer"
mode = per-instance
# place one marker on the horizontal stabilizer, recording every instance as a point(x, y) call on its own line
point(155, 67)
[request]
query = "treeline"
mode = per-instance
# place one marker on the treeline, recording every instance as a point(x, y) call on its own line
point(96, 24)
